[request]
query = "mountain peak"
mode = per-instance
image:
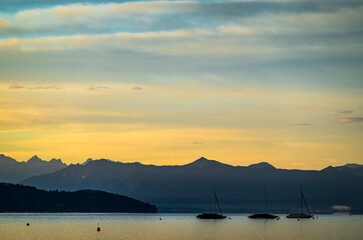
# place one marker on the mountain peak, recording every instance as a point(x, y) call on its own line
point(353, 165)
point(35, 159)
point(261, 165)
point(87, 161)
point(6, 159)
point(329, 168)
point(201, 160)
point(204, 162)
point(57, 162)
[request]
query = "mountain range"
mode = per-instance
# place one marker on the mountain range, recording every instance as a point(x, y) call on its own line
point(189, 188)
point(12, 171)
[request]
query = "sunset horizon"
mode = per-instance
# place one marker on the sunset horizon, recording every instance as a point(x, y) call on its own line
point(181, 163)
point(181, 119)
point(163, 82)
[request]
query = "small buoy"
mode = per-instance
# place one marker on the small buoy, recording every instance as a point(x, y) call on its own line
point(98, 227)
point(229, 218)
point(298, 219)
point(27, 224)
point(160, 219)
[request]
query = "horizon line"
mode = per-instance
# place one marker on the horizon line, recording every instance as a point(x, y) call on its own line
point(201, 158)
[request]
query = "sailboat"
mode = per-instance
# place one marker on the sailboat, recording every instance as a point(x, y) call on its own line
point(263, 215)
point(301, 214)
point(214, 215)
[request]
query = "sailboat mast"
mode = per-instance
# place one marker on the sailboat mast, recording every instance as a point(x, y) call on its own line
point(264, 184)
point(214, 199)
point(301, 200)
point(215, 202)
point(219, 207)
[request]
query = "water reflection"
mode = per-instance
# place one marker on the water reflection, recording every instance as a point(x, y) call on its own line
point(174, 226)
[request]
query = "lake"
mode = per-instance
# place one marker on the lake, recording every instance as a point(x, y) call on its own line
point(79, 226)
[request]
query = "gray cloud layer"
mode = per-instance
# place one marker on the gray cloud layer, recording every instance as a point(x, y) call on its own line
point(156, 16)
point(302, 42)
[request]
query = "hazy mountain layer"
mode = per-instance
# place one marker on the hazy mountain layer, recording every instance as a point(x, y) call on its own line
point(189, 187)
point(13, 172)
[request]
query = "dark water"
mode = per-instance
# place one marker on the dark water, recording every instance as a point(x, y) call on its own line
point(79, 226)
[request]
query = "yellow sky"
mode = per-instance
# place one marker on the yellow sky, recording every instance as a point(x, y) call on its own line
point(166, 82)
point(173, 126)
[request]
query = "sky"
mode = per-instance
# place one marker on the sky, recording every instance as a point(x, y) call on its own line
point(167, 82)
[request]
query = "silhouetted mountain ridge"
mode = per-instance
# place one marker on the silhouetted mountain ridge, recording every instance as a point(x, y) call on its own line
point(190, 186)
point(13, 171)
point(203, 162)
point(353, 165)
point(354, 169)
point(87, 161)
point(261, 165)
point(35, 160)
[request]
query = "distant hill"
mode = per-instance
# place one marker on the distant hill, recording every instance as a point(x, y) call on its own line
point(18, 198)
point(354, 169)
point(353, 165)
point(189, 187)
point(13, 171)
point(261, 165)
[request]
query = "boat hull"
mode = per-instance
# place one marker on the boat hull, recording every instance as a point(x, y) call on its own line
point(299, 215)
point(262, 216)
point(210, 216)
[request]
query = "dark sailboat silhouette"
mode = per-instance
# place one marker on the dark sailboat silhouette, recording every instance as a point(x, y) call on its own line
point(301, 214)
point(263, 215)
point(214, 215)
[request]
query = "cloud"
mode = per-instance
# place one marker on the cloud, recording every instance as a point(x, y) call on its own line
point(299, 124)
point(262, 30)
point(194, 142)
point(181, 42)
point(46, 87)
point(95, 88)
point(155, 16)
point(265, 37)
point(343, 112)
point(137, 88)
point(350, 120)
point(4, 25)
point(18, 86)
point(341, 208)
point(88, 18)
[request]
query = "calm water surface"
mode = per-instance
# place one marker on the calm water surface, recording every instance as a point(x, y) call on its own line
point(79, 226)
